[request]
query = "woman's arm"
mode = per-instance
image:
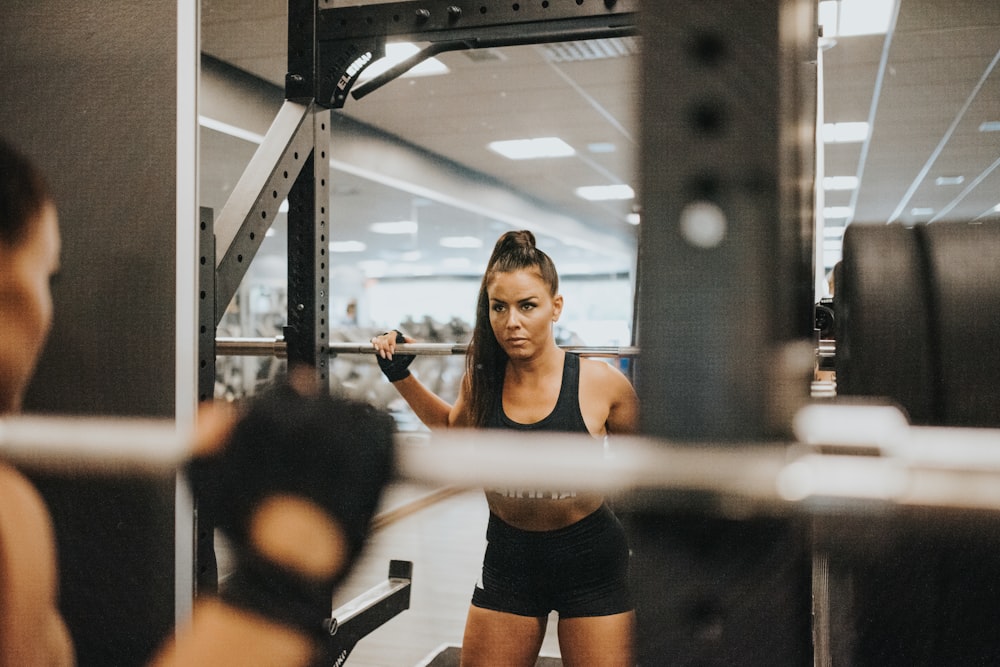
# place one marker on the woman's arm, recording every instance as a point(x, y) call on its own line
point(430, 408)
point(623, 417)
point(606, 388)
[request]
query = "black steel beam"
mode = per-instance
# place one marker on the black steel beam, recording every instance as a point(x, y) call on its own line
point(308, 322)
point(348, 38)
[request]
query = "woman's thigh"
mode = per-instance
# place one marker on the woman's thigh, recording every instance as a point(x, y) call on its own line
point(499, 638)
point(598, 641)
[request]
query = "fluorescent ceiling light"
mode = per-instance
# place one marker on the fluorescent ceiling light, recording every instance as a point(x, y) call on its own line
point(840, 183)
point(347, 246)
point(374, 267)
point(410, 256)
point(455, 263)
point(461, 242)
point(949, 180)
point(397, 52)
point(849, 18)
point(990, 126)
point(997, 208)
point(602, 147)
point(394, 227)
point(633, 218)
point(921, 210)
point(837, 212)
point(605, 192)
point(844, 133)
point(532, 149)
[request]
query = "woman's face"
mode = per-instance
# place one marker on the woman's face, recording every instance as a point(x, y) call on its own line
point(26, 304)
point(522, 312)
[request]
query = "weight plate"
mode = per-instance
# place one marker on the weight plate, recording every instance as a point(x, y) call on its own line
point(964, 275)
point(881, 325)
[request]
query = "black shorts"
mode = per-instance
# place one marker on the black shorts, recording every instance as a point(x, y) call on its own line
point(580, 570)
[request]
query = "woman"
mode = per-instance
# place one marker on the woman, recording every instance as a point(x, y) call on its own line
point(296, 516)
point(31, 630)
point(547, 549)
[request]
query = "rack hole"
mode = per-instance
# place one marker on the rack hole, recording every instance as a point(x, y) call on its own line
point(708, 48)
point(708, 118)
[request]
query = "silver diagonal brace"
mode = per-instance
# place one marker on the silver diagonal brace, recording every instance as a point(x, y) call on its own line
point(254, 202)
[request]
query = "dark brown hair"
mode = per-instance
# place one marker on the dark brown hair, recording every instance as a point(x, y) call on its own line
point(485, 361)
point(23, 194)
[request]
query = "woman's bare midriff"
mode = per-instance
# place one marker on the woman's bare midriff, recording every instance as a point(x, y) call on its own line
point(538, 514)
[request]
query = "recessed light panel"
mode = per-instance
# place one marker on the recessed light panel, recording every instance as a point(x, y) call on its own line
point(849, 18)
point(532, 149)
point(461, 242)
point(605, 192)
point(347, 246)
point(845, 133)
point(840, 183)
point(836, 212)
point(394, 227)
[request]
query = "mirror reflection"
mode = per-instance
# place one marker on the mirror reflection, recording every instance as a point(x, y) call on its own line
point(419, 198)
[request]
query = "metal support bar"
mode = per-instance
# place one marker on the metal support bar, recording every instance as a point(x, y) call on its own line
point(206, 305)
point(206, 571)
point(349, 38)
point(357, 618)
point(307, 330)
point(266, 347)
point(254, 202)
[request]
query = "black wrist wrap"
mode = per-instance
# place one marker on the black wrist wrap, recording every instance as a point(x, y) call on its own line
point(397, 368)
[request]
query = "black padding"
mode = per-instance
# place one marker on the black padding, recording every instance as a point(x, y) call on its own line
point(964, 275)
point(882, 325)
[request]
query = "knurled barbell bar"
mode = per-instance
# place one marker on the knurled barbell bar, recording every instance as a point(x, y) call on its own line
point(266, 347)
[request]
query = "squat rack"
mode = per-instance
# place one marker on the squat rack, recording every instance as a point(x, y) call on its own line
point(728, 101)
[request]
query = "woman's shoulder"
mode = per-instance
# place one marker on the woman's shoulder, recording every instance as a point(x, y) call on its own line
point(599, 371)
point(18, 496)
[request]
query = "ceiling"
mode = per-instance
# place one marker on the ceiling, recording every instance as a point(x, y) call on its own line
point(927, 87)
